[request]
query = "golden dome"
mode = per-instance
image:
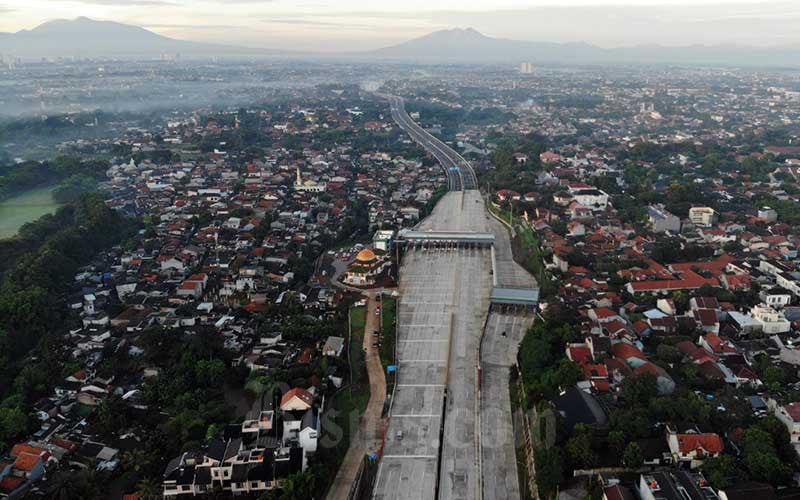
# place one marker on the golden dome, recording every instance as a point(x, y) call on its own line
point(366, 255)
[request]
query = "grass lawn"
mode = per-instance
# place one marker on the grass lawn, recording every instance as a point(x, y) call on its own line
point(357, 360)
point(351, 402)
point(389, 330)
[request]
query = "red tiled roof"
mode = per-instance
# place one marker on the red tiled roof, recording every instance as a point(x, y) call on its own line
point(11, 483)
point(641, 326)
point(615, 327)
point(26, 462)
point(706, 317)
point(301, 394)
point(793, 409)
point(617, 493)
point(26, 448)
point(649, 367)
point(580, 355)
point(710, 443)
point(625, 350)
point(604, 312)
point(592, 371)
point(617, 364)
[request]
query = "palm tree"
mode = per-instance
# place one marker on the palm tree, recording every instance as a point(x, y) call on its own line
point(68, 485)
point(149, 489)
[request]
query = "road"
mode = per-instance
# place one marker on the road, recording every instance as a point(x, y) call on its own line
point(367, 438)
point(498, 354)
point(460, 174)
point(444, 297)
point(442, 312)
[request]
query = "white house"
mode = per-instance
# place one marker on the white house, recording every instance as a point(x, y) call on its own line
point(772, 321)
point(703, 216)
point(594, 199)
point(662, 221)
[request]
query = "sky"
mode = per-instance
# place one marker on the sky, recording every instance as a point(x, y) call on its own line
point(343, 25)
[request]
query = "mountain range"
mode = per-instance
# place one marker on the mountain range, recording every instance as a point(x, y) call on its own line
point(83, 37)
point(468, 45)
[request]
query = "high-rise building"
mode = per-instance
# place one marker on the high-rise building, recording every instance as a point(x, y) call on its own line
point(526, 68)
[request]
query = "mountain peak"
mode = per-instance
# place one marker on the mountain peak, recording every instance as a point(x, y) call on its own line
point(87, 37)
point(463, 33)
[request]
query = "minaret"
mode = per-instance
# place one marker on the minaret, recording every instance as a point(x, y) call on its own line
point(299, 181)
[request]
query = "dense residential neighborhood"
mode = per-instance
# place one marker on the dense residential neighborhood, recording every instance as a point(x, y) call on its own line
point(193, 320)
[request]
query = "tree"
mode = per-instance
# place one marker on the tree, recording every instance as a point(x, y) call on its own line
point(210, 373)
point(669, 353)
point(632, 457)
point(579, 447)
point(70, 485)
point(568, 374)
point(761, 458)
point(638, 390)
point(549, 470)
point(616, 441)
point(681, 300)
point(14, 423)
point(773, 377)
point(149, 489)
point(720, 471)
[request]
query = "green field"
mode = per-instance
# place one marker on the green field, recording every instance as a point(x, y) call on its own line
point(388, 330)
point(25, 207)
point(350, 403)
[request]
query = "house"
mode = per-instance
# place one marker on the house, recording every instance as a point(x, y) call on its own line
point(776, 297)
point(382, 240)
point(594, 199)
point(549, 158)
point(789, 415)
point(772, 321)
point(693, 447)
point(707, 319)
point(297, 399)
point(662, 221)
point(767, 214)
point(667, 306)
point(333, 347)
point(703, 216)
point(678, 485)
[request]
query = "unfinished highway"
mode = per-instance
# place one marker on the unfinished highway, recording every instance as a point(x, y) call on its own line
point(434, 446)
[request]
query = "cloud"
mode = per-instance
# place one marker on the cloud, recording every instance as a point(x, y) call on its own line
point(308, 22)
point(4, 9)
point(190, 26)
point(126, 3)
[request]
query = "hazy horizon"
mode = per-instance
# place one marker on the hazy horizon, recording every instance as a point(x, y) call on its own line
point(362, 25)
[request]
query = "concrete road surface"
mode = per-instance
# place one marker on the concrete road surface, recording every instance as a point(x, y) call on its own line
point(498, 354)
point(444, 296)
point(498, 456)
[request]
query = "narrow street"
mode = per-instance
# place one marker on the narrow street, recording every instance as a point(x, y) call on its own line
point(369, 435)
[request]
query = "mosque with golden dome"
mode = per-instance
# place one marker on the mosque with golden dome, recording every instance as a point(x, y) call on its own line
point(366, 268)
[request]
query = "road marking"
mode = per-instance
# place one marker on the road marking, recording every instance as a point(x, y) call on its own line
point(427, 304)
point(421, 341)
point(422, 325)
point(420, 385)
point(423, 361)
point(410, 415)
